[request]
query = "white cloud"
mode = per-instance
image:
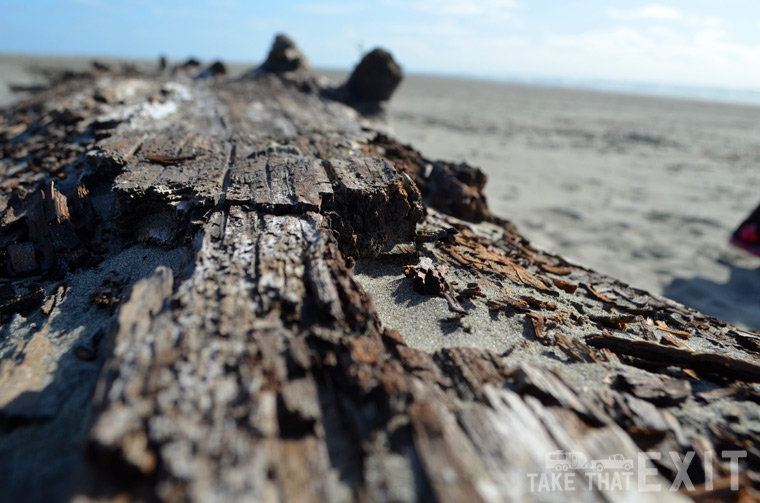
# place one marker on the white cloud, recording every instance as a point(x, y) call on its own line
point(331, 8)
point(495, 8)
point(705, 56)
point(707, 22)
point(664, 13)
point(439, 30)
point(656, 12)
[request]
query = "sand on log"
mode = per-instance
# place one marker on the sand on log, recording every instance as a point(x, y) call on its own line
point(182, 319)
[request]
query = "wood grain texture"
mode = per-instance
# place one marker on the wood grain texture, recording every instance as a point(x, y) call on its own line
point(230, 354)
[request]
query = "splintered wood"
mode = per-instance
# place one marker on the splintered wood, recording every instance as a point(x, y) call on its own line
point(258, 369)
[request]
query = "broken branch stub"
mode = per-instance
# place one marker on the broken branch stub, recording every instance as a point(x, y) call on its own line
point(376, 77)
point(285, 57)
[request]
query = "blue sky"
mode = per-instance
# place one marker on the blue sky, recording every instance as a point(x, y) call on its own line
point(691, 42)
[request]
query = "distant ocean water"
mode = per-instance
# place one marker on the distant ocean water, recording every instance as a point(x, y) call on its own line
point(14, 68)
point(724, 95)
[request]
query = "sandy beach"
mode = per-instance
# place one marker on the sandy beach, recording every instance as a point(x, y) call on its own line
point(646, 189)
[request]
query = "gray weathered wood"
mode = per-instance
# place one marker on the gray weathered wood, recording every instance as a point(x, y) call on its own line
point(182, 320)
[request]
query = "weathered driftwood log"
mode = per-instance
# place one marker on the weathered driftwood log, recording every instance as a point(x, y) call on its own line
point(199, 277)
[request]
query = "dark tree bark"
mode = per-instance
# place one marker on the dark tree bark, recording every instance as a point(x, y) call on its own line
point(182, 318)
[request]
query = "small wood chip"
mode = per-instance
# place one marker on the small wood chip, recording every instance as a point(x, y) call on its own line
point(565, 286)
point(669, 340)
point(559, 271)
point(471, 291)
point(662, 326)
point(596, 294)
point(538, 303)
point(507, 302)
point(615, 321)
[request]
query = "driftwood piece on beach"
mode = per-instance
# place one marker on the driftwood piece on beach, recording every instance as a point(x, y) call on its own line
point(182, 320)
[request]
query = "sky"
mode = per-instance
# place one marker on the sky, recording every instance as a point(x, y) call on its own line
point(705, 43)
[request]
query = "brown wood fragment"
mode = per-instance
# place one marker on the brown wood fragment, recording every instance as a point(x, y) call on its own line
point(596, 294)
point(431, 280)
point(565, 286)
point(538, 303)
point(539, 327)
point(521, 276)
point(455, 189)
point(608, 356)
point(575, 348)
point(665, 392)
point(471, 291)
point(559, 271)
point(615, 321)
point(662, 326)
point(507, 302)
point(432, 235)
point(707, 363)
point(690, 373)
point(53, 239)
point(257, 368)
point(669, 340)
point(467, 250)
point(646, 330)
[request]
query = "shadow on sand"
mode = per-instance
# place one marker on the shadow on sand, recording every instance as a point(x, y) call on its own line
point(736, 301)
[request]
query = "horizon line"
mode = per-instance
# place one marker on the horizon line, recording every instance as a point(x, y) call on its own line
point(676, 90)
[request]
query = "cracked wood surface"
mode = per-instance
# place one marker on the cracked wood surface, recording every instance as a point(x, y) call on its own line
point(231, 354)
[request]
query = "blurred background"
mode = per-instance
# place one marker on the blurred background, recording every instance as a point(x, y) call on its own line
point(624, 135)
point(700, 43)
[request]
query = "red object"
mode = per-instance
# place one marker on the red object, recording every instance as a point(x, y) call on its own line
point(747, 235)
